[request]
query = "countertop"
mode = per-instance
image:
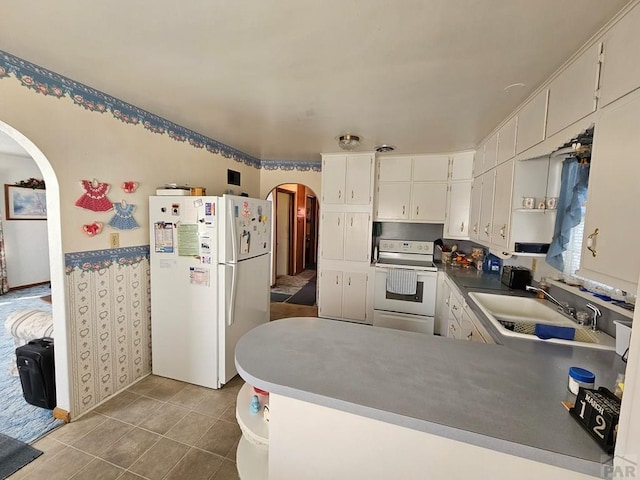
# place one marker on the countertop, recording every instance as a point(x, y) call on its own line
point(504, 397)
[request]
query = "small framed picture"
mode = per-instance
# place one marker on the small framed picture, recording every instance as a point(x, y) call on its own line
point(23, 203)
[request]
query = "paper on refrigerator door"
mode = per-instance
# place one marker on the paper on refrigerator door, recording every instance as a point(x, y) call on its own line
point(199, 276)
point(163, 237)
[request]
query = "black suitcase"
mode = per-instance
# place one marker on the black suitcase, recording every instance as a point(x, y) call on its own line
point(37, 373)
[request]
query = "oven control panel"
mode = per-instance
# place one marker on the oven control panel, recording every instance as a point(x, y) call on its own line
point(406, 246)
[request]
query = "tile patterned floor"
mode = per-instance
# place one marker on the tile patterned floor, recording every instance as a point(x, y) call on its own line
point(157, 429)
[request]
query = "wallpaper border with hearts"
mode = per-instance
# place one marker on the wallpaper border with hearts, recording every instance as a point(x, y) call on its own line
point(109, 324)
point(49, 83)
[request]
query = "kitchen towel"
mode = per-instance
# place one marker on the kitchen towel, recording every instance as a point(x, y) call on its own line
point(402, 281)
point(553, 331)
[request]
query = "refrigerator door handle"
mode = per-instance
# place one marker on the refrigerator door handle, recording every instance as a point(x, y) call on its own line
point(231, 224)
point(232, 300)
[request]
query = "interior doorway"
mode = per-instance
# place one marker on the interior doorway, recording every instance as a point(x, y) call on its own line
point(295, 252)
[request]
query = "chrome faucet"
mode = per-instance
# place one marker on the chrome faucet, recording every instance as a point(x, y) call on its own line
point(596, 313)
point(561, 306)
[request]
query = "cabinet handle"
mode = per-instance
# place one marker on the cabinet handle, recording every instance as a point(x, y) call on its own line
point(338, 221)
point(469, 336)
point(349, 281)
point(336, 279)
point(417, 210)
point(339, 193)
point(475, 228)
point(502, 231)
point(486, 229)
point(351, 194)
point(462, 227)
point(351, 222)
point(590, 242)
point(455, 307)
point(402, 209)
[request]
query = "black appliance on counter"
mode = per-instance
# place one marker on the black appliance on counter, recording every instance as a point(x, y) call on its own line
point(516, 278)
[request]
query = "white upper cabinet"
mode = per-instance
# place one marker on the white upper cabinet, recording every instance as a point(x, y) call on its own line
point(394, 169)
point(475, 204)
point(478, 162)
point(490, 153)
point(393, 201)
point(461, 166)
point(502, 204)
point(486, 206)
point(507, 140)
point(429, 202)
point(613, 197)
point(346, 179)
point(621, 68)
point(431, 168)
point(572, 94)
point(532, 122)
point(332, 235)
point(457, 222)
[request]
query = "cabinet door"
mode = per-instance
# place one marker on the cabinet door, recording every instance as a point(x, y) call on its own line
point(431, 168)
point(478, 162)
point(429, 202)
point(486, 206)
point(332, 235)
point(393, 201)
point(330, 294)
point(334, 173)
point(354, 297)
point(457, 224)
point(507, 140)
point(468, 330)
point(620, 68)
point(532, 120)
point(356, 237)
point(394, 169)
point(613, 196)
point(358, 179)
point(502, 204)
point(474, 212)
point(441, 322)
point(462, 166)
point(572, 95)
point(491, 153)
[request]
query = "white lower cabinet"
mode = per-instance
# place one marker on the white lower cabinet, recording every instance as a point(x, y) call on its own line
point(252, 455)
point(343, 295)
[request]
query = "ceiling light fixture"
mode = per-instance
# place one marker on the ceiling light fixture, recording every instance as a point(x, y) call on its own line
point(348, 141)
point(384, 148)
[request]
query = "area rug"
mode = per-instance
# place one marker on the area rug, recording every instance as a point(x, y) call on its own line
point(18, 419)
point(280, 297)
point(306, 295)
point(14, 455)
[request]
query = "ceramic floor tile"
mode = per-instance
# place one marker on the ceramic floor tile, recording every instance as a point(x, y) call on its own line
point(166, 389)
point(220, 438)
point(215, 403)
point(130, 447)
point(189, 396)
point(229, 415)
point(196, 465)
point(130, 476)
point(98, 470)
point(71, 432)
point(190, 428)
point(100, 439)
point(232, 453)
point(116, 403)
point(162, 419)
point(62, 466)
point(136, 411)
point(227, 471)
point(145, 385)
point(159, 459)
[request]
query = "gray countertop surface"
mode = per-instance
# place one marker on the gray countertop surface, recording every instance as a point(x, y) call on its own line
point(504, 396)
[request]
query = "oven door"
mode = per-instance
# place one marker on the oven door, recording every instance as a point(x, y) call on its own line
point(422, 303)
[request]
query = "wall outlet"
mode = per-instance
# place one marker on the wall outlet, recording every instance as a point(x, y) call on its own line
point(114, 240)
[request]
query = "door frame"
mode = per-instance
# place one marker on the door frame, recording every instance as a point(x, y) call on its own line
point(290, 236)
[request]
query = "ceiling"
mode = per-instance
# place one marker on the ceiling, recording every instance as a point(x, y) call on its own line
point(280, 79)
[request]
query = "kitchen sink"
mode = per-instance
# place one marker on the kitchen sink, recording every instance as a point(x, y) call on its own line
point(517, 317)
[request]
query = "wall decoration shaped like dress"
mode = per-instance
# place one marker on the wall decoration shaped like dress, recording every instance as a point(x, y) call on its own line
point(94, 197)
point(123, 218)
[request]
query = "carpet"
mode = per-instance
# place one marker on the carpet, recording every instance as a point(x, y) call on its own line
point(306, 295)
point(14, 455)
point(18, 419)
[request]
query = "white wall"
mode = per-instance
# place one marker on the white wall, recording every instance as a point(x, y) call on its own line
point(26, 243)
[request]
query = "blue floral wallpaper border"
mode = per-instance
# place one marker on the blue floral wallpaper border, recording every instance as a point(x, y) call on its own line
point(47, 82)
point(95, 260)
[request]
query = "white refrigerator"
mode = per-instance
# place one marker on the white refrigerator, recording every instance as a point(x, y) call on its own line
point(210, 279)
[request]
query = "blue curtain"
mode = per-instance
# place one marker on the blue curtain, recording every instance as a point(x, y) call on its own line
point(573, 193)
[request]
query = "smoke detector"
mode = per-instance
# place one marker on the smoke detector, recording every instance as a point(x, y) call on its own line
point(385, 148)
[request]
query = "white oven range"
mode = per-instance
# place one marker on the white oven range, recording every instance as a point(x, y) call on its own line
point(412, 312)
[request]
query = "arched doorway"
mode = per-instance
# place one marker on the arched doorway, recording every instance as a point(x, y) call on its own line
point(295, 250)
point(56, 265)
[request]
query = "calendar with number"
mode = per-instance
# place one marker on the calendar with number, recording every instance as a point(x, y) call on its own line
point(598, 412)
